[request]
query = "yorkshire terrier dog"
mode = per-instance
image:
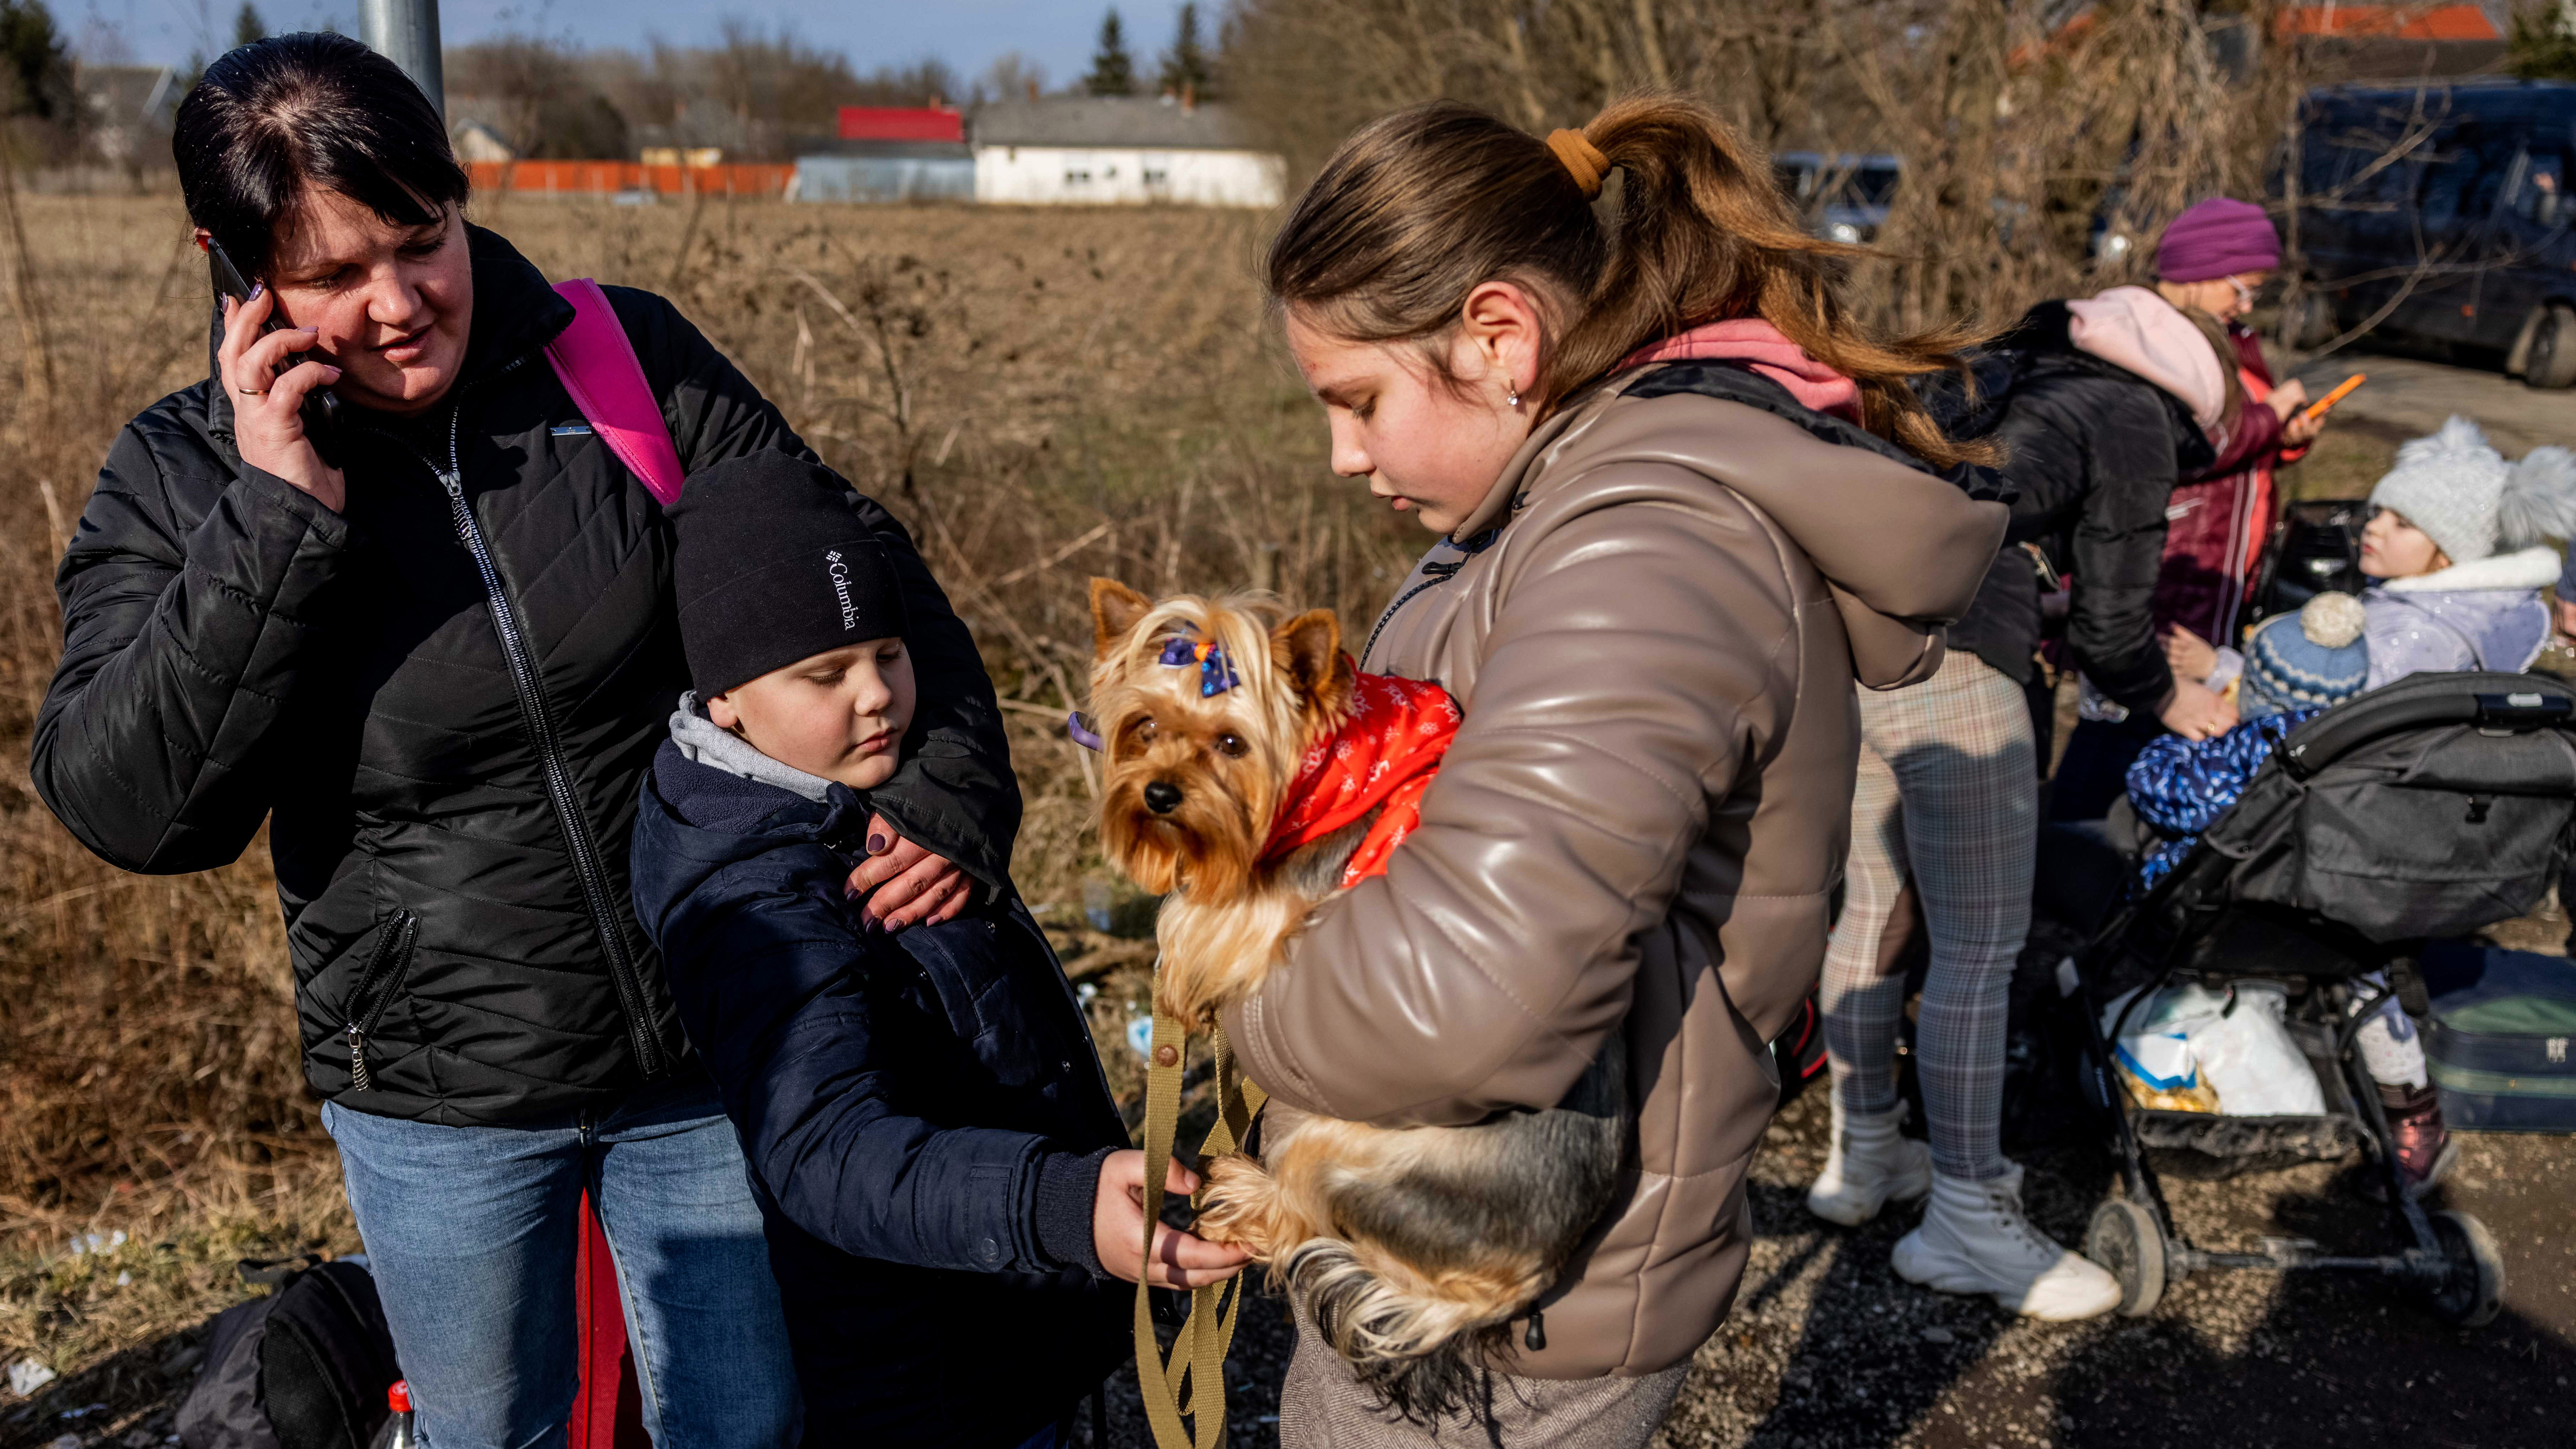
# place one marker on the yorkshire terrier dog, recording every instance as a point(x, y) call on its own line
point(1251, 772)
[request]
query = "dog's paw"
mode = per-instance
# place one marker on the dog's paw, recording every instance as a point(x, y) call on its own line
point(1239, 1206)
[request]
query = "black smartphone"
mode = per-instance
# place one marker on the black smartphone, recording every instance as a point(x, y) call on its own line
point(321, 408)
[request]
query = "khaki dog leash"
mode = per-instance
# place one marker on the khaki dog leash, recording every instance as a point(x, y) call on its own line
point(1198, 1353)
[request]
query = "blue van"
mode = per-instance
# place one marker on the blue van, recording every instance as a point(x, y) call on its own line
point(2439, 215)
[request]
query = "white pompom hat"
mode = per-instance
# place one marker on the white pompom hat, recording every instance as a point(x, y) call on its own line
point(2461, 492)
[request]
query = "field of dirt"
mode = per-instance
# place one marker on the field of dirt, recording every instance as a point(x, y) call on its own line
point(1040, 396)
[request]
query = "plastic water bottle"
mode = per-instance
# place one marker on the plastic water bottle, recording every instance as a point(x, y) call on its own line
point(397, 1432)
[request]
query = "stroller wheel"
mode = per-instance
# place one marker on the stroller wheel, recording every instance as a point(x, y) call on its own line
point(2124, 1238)
point(2472, 1291)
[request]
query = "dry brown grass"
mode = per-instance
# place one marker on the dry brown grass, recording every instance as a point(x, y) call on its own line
point(1039, 395)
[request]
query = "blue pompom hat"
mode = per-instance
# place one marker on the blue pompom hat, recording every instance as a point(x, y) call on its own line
point(2301, 661)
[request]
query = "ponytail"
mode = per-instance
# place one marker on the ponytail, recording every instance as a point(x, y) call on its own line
point(1419, 208)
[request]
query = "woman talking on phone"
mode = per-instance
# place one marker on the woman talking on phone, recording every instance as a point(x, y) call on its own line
point(435, 650)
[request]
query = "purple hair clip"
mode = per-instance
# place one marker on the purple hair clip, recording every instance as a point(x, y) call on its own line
point(1078, 725)
point(1216, 672)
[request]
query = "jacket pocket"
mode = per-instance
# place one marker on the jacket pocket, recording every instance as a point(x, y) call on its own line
point(388, 966)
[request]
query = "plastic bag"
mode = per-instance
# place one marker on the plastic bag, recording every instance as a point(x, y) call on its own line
point(2248, 1056)
point(2153, 1054)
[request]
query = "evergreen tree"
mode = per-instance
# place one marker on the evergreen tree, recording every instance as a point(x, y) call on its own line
point(2544, 48)
point(1113, 70)
point(247, 26)
point(1185, 66)
point(35, 69)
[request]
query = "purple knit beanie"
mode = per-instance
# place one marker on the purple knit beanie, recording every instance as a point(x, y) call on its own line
point(2220, 237)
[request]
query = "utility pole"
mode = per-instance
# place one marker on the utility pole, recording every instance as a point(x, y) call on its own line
point(406, 33)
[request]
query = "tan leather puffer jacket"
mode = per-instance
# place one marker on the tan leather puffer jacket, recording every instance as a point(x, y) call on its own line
point(1639, 826)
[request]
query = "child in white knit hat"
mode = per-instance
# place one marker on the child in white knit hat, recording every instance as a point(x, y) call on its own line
point(2459, 543)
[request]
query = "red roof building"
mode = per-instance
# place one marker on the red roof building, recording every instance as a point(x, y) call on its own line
point(902, 123)
point(2386, 22)
point(2355, 40)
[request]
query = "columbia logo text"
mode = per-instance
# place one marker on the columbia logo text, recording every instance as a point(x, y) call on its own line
point(840, 573)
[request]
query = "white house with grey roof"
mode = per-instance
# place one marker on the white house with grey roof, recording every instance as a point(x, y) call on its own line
point(1120, 150)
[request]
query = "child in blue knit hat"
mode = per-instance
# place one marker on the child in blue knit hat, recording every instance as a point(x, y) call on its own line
point(2296, 666)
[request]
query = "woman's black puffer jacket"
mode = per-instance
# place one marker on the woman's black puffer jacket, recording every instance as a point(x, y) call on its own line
point(2094, 451)
point(444, 700)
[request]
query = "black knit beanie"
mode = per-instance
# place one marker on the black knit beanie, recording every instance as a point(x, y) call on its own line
point(774, 566)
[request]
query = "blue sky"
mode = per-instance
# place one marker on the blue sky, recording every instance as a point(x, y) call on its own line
point(968, 34)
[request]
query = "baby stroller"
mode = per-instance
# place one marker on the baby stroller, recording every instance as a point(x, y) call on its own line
point(2438, 805)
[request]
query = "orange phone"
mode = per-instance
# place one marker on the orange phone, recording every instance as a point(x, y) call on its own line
point(2324, 405)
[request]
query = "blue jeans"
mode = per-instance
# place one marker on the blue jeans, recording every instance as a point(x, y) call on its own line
point(471, 1233)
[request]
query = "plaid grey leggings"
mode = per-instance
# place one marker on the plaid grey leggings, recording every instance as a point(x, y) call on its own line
point(1948, 795)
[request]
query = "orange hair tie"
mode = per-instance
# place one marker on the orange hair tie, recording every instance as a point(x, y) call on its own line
point(1582, 160)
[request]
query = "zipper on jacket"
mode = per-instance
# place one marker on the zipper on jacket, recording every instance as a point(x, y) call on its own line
point(1434, 575)
point(539, 719)
point(389, 965)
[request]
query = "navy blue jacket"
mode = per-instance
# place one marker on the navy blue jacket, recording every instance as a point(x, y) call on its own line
point(923, 1113)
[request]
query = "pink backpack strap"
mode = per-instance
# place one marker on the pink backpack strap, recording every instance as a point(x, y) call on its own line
point(597, 363)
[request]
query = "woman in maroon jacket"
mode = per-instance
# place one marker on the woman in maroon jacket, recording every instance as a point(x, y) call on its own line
point(2211, 262)
point(2213, 258)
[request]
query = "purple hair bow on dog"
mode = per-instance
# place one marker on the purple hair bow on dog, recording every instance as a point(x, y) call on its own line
point(1216, 676)
point(1216, 672)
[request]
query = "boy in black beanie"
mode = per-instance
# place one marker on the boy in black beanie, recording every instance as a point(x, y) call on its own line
point(935, 1151)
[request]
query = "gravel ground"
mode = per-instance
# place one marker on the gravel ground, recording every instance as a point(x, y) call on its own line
point(1828, 1349)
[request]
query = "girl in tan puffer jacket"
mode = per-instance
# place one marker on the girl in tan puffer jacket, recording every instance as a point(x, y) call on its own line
point(1684, 500)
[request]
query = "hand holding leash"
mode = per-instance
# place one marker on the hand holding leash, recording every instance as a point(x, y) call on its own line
point(1180, 1260)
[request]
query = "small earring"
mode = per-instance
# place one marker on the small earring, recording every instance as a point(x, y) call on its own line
point(1513, 401)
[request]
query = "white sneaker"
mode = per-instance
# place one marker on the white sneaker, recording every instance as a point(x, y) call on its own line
point(1871, 1163)
point(1974, 1239)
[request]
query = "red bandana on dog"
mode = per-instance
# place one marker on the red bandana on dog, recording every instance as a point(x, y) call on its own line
point(1387, 752)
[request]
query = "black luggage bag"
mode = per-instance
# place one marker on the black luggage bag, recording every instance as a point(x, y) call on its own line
point(304, 1368)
